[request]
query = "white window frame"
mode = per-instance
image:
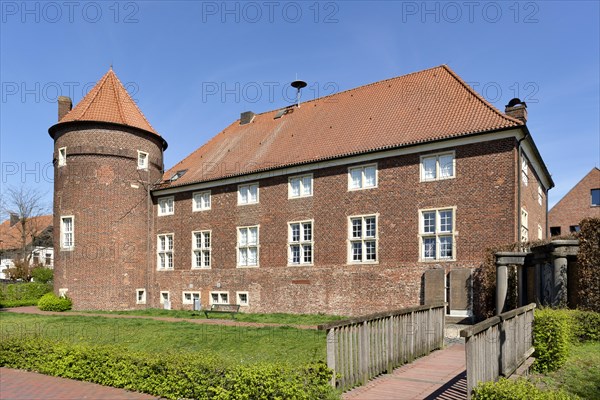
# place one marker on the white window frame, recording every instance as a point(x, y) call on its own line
point(362, 168)
point(166, 200)
point(247, 187)
point(202, 250)
point(143, 157)
point(363, 239)
point(238, 300)
point(302, 243)
point(540, 232)
point(524, 225)
point(302, 186)
point(63, 245)
point(438, 169)
point(197, 205)
point(162, 299)
point(191, 293)
point(219, 294)
point(238, 246)
point(437, 234)
point(524, 171)
point(137, 296)
point(540, 195)
point(62, 156)
point(169, 252)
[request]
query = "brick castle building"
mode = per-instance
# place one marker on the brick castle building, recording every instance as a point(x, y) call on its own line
point(341, 205)
point(582, 201)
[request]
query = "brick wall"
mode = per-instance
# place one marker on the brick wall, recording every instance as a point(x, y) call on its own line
point(530, 201)
point(105, 192)
point(576, 205)
point(483, 193)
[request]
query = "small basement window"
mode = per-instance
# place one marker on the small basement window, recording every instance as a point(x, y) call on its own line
point(555, 231)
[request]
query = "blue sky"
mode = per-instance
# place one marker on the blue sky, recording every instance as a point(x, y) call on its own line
point(193, 66)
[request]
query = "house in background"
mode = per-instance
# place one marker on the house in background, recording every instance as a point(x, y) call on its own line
point(39, 247)
point(582, 201)
point(376, 198)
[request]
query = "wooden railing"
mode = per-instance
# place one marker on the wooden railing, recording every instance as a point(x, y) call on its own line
point(498, 346)
point(361, 348)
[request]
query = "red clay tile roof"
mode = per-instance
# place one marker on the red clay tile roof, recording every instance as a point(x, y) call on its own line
point(109, 101)
point(10, 236)
point(420, 107)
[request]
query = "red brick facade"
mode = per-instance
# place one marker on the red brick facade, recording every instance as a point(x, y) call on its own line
point(576, 205)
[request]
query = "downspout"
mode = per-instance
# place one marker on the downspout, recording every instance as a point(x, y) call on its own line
point(519, 173)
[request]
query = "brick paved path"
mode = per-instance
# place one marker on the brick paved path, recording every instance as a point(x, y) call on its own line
point(23, 385)
point(229, 322)
point(439, 375)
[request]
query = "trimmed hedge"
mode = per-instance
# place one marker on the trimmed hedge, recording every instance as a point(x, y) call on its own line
point(17, 303)
point(589, 264)
point(520, 389)
point(174, 376)
point(553, 332)
point(51, 302)
point(25, 291)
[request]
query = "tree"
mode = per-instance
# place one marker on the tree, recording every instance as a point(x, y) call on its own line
point(28, 228)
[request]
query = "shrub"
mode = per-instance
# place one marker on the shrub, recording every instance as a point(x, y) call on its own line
point(51, 302)
point(589, 264)
point(42, 275)
point(26, 291)
point(520, 389)
point(585, 325)
point(173, 376)
point(17, 303)
point(551, 337)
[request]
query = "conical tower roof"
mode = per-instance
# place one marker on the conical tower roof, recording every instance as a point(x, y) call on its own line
point(108, 101)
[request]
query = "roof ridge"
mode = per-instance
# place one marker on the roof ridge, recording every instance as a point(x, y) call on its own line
point(88, 105)
point(134, 104)
point(480, 97)
point(118, 100)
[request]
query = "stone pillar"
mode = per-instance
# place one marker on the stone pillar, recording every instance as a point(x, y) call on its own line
point(503, 260)
point(559, 280)
point(521, 288)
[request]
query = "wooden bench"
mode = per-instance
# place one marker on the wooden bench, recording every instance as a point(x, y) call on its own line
point(223, 309)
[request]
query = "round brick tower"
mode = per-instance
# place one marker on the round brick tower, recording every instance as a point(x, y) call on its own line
point(106, 157)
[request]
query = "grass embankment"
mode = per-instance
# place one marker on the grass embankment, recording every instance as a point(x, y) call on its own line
point(235, 344)
point(278, 318)
point(579, 376)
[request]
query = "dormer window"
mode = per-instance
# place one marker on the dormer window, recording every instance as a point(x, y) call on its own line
point(142, 160)
point(178, 175)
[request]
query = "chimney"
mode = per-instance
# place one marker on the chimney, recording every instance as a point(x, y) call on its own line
point(64, 106)
point(14, 219)
point(517, 109)
point(246, 117)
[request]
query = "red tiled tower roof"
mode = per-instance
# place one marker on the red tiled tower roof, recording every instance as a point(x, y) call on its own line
point(425, 106)
point(109, 101)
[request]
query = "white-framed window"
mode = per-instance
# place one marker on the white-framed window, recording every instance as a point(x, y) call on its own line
point(242, 299)
point(438, 166)
point(190, 297)
point(362, 239)
point(248, 193)
point(219, 298)
point(140, 296)
point(524, 171)
point(201, 201)
point(142, 160)
point(48, 259)
point(164, 297)
point(166, 206)
point(67, 232)
point(540, 195)
point(524, 225)
point(437, 233)
point(300, 243)
point(201, 244)
point(540, 232)
point(300, 186)
point(62, 292)
point(362, 177)
point(164, 249)
point(247, 246)
point(62, 156)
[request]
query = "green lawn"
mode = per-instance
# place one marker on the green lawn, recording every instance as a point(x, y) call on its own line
point(579, 376)
point(238, 345)
point(284, 319)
